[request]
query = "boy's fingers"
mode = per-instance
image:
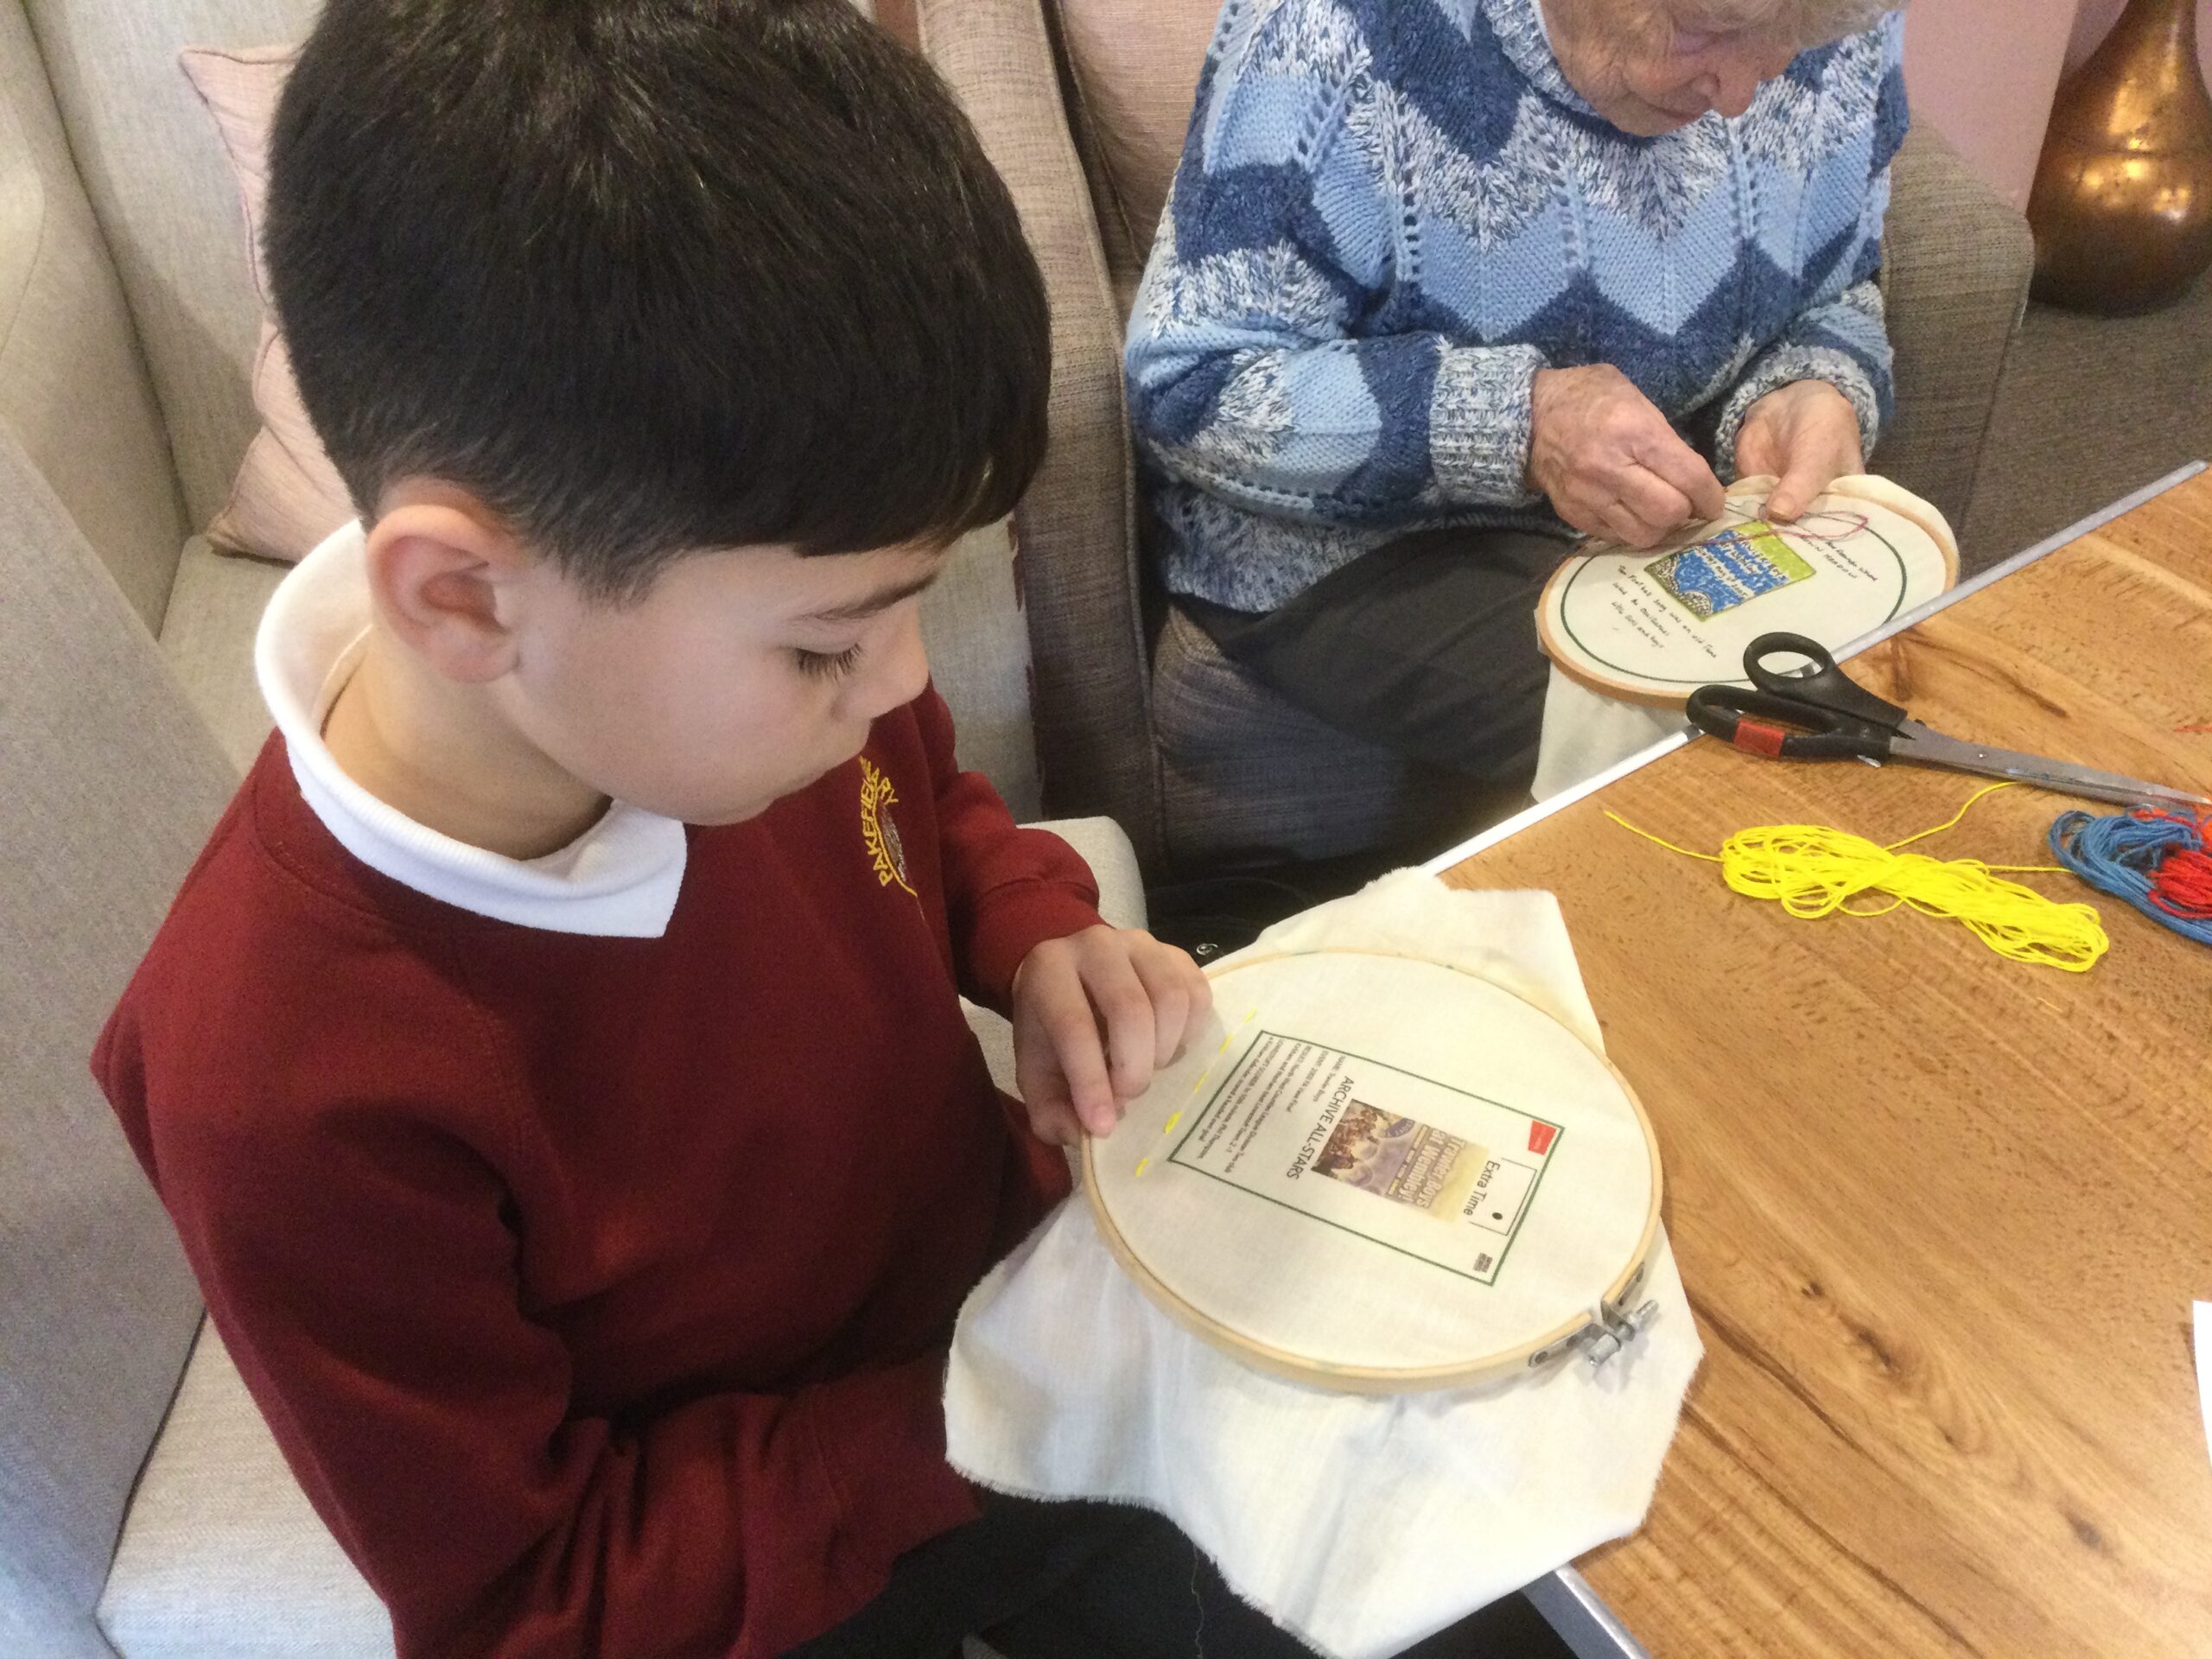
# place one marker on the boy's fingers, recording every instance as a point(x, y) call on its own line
point(1125, 1010)
point(1037, 1076)
point(1062, 1053)
point(1054, 1122)
point(1201, 986)
point(1169, 992)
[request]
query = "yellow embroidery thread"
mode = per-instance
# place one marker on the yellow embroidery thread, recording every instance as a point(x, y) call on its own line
point(1814, 871)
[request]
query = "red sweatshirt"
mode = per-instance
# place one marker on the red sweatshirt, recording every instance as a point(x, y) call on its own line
point(597, 1288)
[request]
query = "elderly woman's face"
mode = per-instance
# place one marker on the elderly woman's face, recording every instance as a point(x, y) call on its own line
point(1651, 74)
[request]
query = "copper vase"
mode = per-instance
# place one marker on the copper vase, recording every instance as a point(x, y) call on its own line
point(2122, 204)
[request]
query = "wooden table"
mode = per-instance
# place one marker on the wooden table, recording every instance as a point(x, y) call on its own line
point(1940, 1216)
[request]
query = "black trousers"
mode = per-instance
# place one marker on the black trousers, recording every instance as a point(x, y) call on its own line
point(1426, 646)
point(1098, 1581)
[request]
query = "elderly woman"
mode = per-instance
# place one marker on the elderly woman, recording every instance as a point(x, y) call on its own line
point(1440, 279)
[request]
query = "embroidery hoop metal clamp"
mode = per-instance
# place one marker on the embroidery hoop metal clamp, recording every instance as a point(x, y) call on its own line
point(1614, 1326)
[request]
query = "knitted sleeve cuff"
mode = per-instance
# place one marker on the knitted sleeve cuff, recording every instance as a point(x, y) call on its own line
point(1845, 343)
point(1777, 369)
point(1479, 424)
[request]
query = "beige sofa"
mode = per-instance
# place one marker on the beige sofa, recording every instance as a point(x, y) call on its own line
point(143, 1508)
point(1081, 104)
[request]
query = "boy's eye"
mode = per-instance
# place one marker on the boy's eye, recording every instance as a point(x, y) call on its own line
point(828, 665)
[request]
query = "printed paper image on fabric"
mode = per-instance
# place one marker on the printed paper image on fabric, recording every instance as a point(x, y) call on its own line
point(1397, 1158)
point(1721, 572)
point(1402, 1160)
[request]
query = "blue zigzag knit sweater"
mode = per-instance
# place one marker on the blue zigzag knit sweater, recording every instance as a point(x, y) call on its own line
point(1390, 213)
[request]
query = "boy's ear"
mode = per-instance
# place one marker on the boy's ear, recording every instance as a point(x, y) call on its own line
point(442, 571)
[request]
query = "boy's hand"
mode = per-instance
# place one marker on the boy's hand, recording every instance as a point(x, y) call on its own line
point(1095, 1016)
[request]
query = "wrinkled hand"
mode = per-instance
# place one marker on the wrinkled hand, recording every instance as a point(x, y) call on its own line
point(1807, 434)
point(1095, 1015)
point(1612, 465)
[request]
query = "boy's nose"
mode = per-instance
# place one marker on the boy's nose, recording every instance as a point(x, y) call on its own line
point(895, 668)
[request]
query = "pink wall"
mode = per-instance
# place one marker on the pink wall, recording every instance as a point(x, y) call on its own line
point(1983, 73)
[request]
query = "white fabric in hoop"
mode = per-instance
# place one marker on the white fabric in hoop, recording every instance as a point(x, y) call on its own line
point(1437, 1174)
point(1360, 1522)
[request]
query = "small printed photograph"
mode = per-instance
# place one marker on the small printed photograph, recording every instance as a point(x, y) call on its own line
point(1721, 572)
point(1400, 1158)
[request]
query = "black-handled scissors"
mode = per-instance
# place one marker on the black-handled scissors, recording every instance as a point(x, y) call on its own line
point(1822, 713)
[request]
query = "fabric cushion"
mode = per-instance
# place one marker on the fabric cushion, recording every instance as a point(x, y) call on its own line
point(222, 1553)
point(168, 206)
point(1956, 263)
point(72, 386)
point(977, 637)
point(1136, 68)
point(1082, 586)
point(208, 640)
point(112, 788)
point(286, 496)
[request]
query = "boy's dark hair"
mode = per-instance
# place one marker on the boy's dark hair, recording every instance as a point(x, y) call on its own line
point(654, 275)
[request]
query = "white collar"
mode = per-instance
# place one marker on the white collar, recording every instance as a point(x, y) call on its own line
point(617, 880)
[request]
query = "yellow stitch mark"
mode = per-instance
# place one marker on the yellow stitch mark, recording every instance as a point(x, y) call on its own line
point(1171, 1122)
point(1141, 1162)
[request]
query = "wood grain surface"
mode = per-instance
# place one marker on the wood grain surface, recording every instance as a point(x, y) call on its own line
point(1940, 1216)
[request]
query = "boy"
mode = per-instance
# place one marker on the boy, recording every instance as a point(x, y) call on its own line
point(554, 1064)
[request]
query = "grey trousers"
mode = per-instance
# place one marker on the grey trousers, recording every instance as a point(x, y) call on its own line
point(1426, 646)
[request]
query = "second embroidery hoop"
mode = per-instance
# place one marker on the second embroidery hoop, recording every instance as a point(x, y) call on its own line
point(1651, 626)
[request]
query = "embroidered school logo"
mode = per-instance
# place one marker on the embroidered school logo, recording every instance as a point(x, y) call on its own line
point(879, 830)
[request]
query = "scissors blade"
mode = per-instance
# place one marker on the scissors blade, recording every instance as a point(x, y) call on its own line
point(1916, 743)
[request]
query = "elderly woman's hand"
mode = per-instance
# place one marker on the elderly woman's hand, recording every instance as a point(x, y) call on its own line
point(1807, 434)
point(1610, 461)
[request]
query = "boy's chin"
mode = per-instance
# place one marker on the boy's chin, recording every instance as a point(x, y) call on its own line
point(720, 814)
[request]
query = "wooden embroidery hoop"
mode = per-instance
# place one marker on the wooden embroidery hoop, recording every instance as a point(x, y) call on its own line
point(1919, 581)
point(1596, 1318)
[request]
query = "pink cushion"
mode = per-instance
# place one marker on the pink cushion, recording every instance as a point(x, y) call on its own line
point(286, 496)
point(1135, 65)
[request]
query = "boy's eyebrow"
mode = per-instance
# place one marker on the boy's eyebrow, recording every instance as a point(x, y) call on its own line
point(859, 610)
